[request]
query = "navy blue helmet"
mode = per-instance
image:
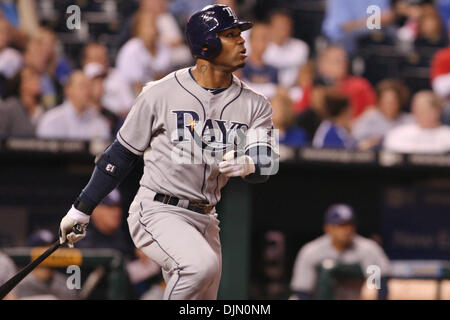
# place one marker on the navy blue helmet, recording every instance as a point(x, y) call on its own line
point(203, 27)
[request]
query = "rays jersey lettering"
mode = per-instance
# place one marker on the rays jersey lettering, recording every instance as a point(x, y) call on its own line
point(209, 138)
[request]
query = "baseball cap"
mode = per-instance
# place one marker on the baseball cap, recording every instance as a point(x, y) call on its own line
point(41, 238)
point(112, 199)
point(94, 70)
point(339, 214)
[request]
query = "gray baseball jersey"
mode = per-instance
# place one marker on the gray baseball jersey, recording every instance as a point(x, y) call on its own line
point(363, 251)
point(174, 119)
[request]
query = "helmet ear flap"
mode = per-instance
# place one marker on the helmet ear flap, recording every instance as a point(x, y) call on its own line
point(211, 47)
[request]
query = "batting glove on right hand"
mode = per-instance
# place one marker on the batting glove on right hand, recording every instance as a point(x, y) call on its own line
point(72, 218)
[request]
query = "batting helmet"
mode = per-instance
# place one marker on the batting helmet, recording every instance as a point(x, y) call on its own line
point(203, 26)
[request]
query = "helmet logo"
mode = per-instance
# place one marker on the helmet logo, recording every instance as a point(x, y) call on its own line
point(209, 20)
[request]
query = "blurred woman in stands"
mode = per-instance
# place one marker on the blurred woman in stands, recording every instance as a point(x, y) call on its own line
point(144, 57)
point(373, 124)
point(167, 26)
point(20, 113)
point(57, 65)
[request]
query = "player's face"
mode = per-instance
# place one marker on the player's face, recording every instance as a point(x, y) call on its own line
point(341, 234)
point(232, 56)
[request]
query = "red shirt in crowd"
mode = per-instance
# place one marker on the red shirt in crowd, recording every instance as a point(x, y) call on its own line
point(359, 91)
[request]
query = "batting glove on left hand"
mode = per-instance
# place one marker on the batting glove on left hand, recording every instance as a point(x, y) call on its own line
point(72, 218)
point(236, 167)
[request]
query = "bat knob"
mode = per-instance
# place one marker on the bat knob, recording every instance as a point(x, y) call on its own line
point(78, 229)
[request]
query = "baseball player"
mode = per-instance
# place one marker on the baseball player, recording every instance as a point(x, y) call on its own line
point(195, 128)
point(339, 244)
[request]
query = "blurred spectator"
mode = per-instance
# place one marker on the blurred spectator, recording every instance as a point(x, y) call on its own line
point(340, 245)
point(408, 14)
point(105, 230)
point(440, 80)
point(8, 271)
point(346, 20)
point(10, 59)
point(284, 121)
point(333, 67)
point(426, 134)
point(259, 75)
point(57, 65)
point(431, 33)
point(97, 73)
point(371, 127)
point(168, 30)
point(311, 118)
point(20, 114)
point(334, 132)
point(285, 53)
point(145, 57)
point(118, 96)
point(35, 58)
point(75, 118)
point(44, 283)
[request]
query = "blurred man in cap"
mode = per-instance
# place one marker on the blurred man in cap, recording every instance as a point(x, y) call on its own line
point(44, 283)
point(105, 230)
point(342, 245)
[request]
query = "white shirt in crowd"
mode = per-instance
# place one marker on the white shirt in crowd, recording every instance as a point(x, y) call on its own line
point(10, 62)
point(136, 64)
point(287, 58)
point(118, 96)
point(63, 122)
point(373, 123)
point(411, 138)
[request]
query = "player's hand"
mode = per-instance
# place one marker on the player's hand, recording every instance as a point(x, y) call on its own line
point(236, 167)
point(72, 218)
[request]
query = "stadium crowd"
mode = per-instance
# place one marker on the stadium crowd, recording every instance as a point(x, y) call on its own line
point(321, 95)
point(325, 93)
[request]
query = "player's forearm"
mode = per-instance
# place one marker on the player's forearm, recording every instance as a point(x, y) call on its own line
point(110, 169)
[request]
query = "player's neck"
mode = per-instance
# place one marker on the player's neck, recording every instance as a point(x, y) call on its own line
point(208, 75)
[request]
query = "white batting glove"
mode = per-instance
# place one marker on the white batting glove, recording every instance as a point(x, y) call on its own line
point(73, 217)
point(236, 167)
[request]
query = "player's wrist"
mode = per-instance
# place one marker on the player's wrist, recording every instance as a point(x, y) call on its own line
point(78, 216)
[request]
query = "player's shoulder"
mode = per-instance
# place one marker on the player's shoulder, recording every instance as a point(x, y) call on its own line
point(365, 244)
point(159, 87)
point(316, 245)
point(251, 93)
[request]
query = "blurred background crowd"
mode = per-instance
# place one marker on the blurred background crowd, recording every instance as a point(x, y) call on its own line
point(332, 81)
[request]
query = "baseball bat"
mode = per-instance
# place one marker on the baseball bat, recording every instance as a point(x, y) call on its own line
point(14, 281)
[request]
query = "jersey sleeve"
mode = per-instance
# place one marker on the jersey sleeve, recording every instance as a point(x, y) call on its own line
point(304, 274)
point(261, 142)
point(136, 132)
